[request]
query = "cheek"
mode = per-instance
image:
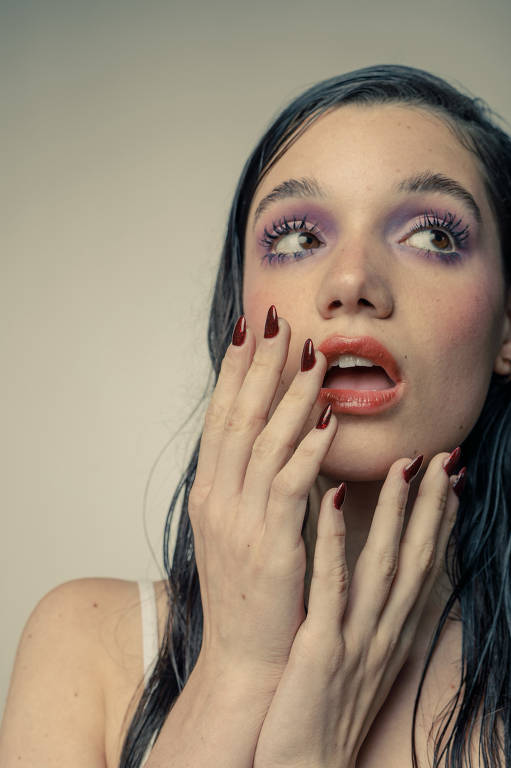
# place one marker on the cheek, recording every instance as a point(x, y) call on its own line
point(464, 337)
point(256, 304)
point(471, 326)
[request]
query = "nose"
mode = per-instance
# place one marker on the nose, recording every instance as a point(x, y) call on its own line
point(355, 282)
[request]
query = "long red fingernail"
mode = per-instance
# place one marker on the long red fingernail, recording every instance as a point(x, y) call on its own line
point(340, 496)
point(452, 462)
point(240, 331)
point(271, 327)
point(459, 483)
point(325, 417)
point(308, 356)
point(412, 468)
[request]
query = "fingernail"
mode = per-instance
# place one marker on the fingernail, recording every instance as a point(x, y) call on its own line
point(240, 331)
point(340, 496)
point(308, 356)
point(452, 462)
point(325, 417)
point(412, 468)
point(271, 327)
point(459, 483)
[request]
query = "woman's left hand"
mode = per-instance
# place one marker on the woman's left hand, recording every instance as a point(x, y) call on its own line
point(356, 637)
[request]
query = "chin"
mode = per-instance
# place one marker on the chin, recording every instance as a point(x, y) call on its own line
point(365, 455)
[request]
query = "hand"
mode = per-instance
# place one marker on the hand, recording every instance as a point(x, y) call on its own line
point(356, 637)
point(247, 507)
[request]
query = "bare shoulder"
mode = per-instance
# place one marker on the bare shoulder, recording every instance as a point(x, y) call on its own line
point(78, 665)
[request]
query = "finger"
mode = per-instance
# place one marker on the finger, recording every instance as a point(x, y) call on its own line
point(249, 412)
point(423, 546)
point(377, 563)
point(290, 488)
point(235, 365)
point(276, 442)
point(328, 594)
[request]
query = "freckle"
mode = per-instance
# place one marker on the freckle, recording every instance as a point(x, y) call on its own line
point(243, 596)
point(461, 427)
point(406, 357)
point(76, 694)
point(94, 605)
point(30, 636)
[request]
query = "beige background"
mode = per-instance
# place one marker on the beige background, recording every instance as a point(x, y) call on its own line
point(125, 126)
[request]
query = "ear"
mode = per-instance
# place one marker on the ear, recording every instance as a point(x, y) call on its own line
point(503, 359)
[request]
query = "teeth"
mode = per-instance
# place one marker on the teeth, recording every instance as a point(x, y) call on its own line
point(349, 361)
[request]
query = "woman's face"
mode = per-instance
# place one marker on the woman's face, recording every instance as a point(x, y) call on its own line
point(374, 241)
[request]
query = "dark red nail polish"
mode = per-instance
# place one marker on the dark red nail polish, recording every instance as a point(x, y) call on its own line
point(271, 327)
point(459, 483)
point(412, 468)
point(240, 331)
point(325, 417)
point(340, 495)
point(452, 462)
point(308, 356)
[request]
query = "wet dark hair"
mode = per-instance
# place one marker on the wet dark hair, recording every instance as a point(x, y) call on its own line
point(478, 559)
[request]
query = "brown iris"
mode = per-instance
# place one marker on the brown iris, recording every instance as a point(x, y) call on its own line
point(440, 239)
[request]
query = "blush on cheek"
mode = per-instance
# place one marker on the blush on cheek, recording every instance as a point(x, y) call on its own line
point(256, 305)
point(466, 343)
point(473, 323)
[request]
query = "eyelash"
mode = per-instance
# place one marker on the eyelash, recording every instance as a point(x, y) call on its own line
point(286, 227)
point(448, 223)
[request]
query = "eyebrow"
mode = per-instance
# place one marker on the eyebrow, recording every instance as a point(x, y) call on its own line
point(436, 182)
point(308, 187)
point(302, 188)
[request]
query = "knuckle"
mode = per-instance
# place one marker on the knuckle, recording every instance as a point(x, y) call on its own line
point(386, 644)
point(294, 397)
point(425, 556)
point(265, 445)
point(307, 451)
point(238, 420)
point(260, 364)
point(215, 416)
point(196, 499)
point(284, 486)
point(336, 573)
point(387, 564)
point(437, 495)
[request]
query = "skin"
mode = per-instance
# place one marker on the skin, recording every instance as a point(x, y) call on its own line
point(445, 323)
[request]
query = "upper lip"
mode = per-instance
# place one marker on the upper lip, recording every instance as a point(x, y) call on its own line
point(363, 346)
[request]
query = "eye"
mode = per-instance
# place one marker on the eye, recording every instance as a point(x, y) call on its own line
point(430, 238)
point(290, 240)
point(296, 241)
point(440, 236)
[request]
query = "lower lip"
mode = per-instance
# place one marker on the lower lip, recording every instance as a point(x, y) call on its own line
point(362, 401)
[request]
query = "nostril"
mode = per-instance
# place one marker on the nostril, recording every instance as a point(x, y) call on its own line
point(365, 303)
point(336, 304)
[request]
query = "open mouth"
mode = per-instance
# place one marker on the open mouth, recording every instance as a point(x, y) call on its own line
point(352, 372)
point(362, 376)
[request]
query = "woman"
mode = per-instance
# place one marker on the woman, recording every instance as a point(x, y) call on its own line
point(367, 260)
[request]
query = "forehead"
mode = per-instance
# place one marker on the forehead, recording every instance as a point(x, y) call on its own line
point(362, 149)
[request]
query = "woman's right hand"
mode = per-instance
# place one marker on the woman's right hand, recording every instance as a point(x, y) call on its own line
point(248, 502)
